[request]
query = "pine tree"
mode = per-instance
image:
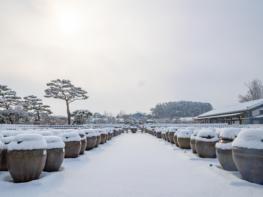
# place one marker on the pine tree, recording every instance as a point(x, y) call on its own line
point(81, 116)
point(65, 90)
point(35, 106)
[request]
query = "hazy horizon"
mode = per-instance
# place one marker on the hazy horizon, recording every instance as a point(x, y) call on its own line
point(132, 54)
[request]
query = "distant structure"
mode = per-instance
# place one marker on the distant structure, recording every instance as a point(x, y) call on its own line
point(250, 112)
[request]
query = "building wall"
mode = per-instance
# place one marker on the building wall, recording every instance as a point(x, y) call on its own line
point(257, 111)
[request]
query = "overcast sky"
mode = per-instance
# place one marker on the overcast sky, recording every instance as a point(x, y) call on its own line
point(132, 54)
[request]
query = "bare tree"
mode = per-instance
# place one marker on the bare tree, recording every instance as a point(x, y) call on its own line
point(65, 90)
point(254, 92)
point(35, 106)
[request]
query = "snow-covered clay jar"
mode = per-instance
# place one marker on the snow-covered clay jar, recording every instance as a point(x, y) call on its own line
point(1, 152)
point(83, 142)
point(248, 154)
point(192, 140)
point(92, 139)
point(55, 153)
point(164, 134)
point(167, 135)
point(133, 129)
point(3, 155)
point(158, 133)
point(183, 138)
point(104, 136)
point(26, 157)
point(117, 131)
point(72, 142)
point(175, 138)
point(98, 141)
point(205, 143)
point(110, 136)
point(224, 148)
point(171, 135)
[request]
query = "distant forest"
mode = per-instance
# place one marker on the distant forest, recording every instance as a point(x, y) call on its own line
point(180, 109)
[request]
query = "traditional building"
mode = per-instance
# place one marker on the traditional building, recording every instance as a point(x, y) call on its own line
point(250, 112)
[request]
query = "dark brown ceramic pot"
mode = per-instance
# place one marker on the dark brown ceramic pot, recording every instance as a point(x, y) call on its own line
point(26, 165)
point(249, 163)
point(167, 136)
point(54, 159)
point(3, 160)
point(83, 146)
point(98, 140)
point(175, 140)
point(91, 142)
point(109, 137)
point(3, 153)
point(205, 149)
point(163, 136)
point(159, 134)
point(192, 144)
point(224, 154)
point(171, 136)
point(133, 130)
point(72, 149)
point(104, 137)
point(183, 142)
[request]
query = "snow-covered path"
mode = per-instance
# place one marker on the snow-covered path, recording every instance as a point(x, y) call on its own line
point(134, 165)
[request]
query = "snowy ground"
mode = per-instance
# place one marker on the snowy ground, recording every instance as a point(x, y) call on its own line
point(134, 165)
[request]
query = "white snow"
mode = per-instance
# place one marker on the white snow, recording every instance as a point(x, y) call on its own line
point(92, 134)
point(54, 142)
point(249, 138)
point(185, 133)
point(1, 146)
point(135, 165)
point(224, 146)
point(172, 129)
point(195, 133)
point(207, 135)
point(70, 136)
point(104, 131)
point(7, 133)
point(44, 133)
point(7, 140)
point(229, 133)
point(82, 134)
point(27, 142)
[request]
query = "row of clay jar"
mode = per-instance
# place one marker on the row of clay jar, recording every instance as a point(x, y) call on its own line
point(25, 154)
point(236, 149)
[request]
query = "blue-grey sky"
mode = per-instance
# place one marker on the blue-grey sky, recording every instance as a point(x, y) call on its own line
point(131, 54)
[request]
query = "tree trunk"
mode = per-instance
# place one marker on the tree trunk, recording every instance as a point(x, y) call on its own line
point(68, 113)
point(10, 119)
point(38, 116)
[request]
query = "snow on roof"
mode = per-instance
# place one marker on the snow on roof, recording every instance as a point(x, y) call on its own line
point(234, 108)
